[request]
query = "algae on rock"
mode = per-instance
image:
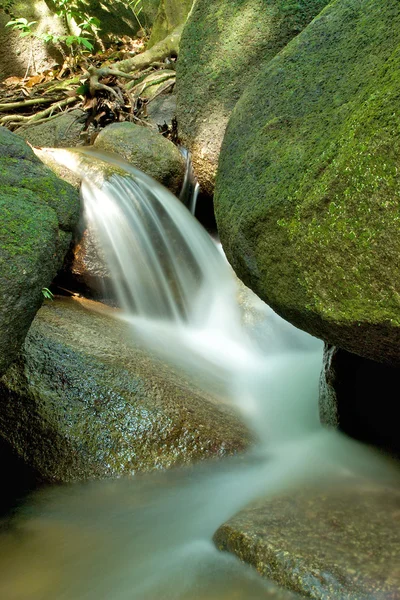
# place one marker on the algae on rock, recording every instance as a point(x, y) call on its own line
point(38, 215)
point(307, 195)
point(223, 45)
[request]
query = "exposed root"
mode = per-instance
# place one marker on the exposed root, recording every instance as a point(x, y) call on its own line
point(40, 116)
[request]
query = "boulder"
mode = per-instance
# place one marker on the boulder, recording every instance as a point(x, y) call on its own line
point(63, 131)
point(342, 542)
point(84, 402)
point(223, 44)
point(38, 214)
point(358, 395)
point(146, 150)
point(161, 111)
point(308, 182)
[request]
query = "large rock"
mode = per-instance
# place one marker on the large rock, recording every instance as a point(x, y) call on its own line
point(343, 542)
point(358, 395)
point(38, 214)
point(145, 149)
point(307, 195)
point(223, 45)
point(63, 131)
point(83, 402)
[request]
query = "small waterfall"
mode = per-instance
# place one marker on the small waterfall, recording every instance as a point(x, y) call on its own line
point(190, 188)
point(151, 537)
point(179, 294)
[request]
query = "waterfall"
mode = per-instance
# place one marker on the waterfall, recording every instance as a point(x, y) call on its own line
point(151, 537)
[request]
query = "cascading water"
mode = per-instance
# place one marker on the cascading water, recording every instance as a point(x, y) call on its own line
point(151, 538)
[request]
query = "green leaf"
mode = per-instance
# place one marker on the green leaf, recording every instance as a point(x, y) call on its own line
point(85, 42)
point(71, 39)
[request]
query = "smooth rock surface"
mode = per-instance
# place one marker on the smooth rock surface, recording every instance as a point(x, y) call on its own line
point(146, 150)
point(83, 402)
point(63, 131)
point(341, 543)
point(223, 44)
point(307, 195)
point(38, 214)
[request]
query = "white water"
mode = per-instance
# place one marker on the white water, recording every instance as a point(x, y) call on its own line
point(151, 538)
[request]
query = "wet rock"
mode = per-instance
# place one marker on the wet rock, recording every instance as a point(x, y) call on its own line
point(38, 214)
point(343, 542)
point(161, 111)
point(146, 150)
point(307, 189)
point(223, 44)
point(360, 397)
point(63, 131)
point(83, 402)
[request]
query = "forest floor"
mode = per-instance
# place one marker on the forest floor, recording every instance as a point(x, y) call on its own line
point(110, 86)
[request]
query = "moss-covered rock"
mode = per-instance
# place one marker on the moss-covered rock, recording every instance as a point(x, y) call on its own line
point(223, 45)
point(308, 190)
point(38, 214)
point(83, 402)
point(341, 543)
point(145, 149)
point(63, 131)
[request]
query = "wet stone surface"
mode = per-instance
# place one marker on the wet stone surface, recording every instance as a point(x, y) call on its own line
point(84, 401)
point(342, 543)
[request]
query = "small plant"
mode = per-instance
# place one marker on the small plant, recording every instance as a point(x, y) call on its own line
point(136, 7)
point(47, 294)
point(22, 26)
point(69, 10)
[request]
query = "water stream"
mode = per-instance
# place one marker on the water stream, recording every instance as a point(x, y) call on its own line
point(150, 537)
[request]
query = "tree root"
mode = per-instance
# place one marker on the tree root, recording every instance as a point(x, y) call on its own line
point(40, 116)
point(21, 104)
point(134, 70)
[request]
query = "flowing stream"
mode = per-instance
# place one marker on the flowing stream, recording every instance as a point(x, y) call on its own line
point(151, 537)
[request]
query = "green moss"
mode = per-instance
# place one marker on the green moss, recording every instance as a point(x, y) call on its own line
point(309, 173)
point(223, 47)
point(38, 214)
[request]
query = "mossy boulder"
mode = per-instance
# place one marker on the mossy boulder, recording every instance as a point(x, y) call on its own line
point(223, 45)
point(308, 188)
point(340, 542)
point(38, 214)
point(145, 149)
point(63, 131)
point(83, 402)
